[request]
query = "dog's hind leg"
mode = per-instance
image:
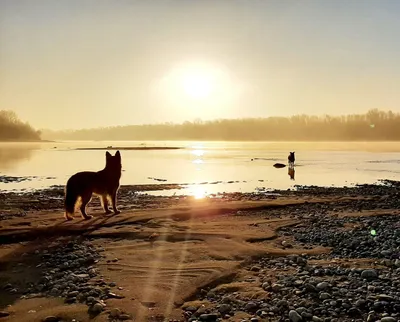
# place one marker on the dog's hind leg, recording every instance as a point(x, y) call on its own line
point(104, 202)
point(86, 197)
point(70, 200)
point(114, 202)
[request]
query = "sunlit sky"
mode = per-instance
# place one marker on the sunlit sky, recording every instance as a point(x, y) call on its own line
point(89, 63)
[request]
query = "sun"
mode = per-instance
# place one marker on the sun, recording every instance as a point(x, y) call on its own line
point(195, 80)
point(197, 84)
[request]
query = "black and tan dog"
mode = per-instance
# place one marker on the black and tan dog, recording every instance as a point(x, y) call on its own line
point(103, 183)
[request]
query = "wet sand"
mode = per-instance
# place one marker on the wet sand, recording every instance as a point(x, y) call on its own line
point(167, 258)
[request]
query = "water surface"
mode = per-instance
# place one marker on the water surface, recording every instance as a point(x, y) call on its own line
point(209, 167)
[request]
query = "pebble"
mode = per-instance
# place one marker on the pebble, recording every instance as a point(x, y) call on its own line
point(97, 308)
point(388, 319)
point(51, 318)
point(369, 274)
point(224, 308)
point(115, 312)
point(294, 316)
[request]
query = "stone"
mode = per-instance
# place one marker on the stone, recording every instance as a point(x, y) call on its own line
point(322, 286)
point(115, 312)
point(224, 308)
point(51, 318)
point(4, 314)
point(294, 316)
point(369, 274)
point(388, 319)
point(317, 319)
point(325, 296)
point(250, 306)
point(97, 308)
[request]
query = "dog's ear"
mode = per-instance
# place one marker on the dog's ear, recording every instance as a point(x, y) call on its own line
point(118, 155)
point(108, 155)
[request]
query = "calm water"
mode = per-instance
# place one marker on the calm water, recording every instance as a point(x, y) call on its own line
point(322, 164)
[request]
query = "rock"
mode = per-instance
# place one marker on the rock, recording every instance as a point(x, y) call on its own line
point(354, 312)
point(251, 306)
point(255, 269)
point(73, 294)
point(322, 286)
point(70, 300)
point(115, 296)
point(90, 299)
point(282, 303)
point(325, 296)
point(115, 312)
point(51, 318)
point(97, 308)
point(225, 309)
point(388, 319)
point(369, 274)
point(124, 317)
point(309, 287)
point(286, 244)
point(384, 297)
point(276, 287)
point(294, 316)
point(300, 310)
point(317, 319)
point(208, 317)
point(191, 309)
point(306, 316)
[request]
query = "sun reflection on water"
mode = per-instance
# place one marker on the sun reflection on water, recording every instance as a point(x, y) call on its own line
point(198, 152)
point(198, 192)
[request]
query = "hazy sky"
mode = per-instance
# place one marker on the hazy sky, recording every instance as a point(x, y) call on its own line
point(88, 63)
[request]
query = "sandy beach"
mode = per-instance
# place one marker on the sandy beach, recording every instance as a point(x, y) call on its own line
point(315, 254)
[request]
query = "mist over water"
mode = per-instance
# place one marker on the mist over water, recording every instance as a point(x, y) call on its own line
point(208, 167)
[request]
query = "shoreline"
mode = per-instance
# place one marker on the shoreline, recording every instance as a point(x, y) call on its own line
point(29, 141)
point(132, 148)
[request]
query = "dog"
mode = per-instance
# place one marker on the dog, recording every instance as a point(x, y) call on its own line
point(291, 159)
point(103, 183)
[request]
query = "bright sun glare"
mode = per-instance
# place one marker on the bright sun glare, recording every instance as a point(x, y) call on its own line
point(196, 81)
point(199, 193)
point(197, 84)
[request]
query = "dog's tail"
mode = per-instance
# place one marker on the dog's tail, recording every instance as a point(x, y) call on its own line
point(70, 200)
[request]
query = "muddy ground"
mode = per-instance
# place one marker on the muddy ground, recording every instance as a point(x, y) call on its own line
point(315, 254)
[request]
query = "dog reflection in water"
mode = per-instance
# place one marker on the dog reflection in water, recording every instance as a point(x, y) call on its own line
point(291, 173)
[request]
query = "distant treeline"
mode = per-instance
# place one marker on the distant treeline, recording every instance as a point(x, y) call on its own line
point(13, 129)
point(375, 125)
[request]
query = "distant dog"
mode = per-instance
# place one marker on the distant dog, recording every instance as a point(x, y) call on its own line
point(104, 183)
point(291, 159)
